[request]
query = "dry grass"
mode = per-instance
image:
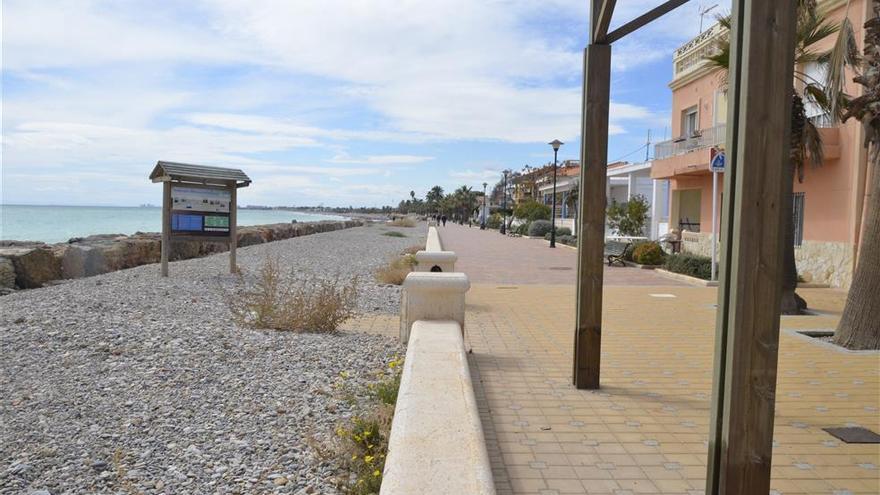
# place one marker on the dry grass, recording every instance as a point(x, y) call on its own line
point(413, 249)
point(403, 222)
point(396, 270)
point(305, 304)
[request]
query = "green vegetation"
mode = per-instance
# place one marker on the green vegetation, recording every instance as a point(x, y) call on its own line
point(560, 231)
point(568, 240)
point(539, 228)
point(523, 228)
point(361, 445)
point(307, 304)
point(494, 221)
point(648, 253)
point(689, 264)
point(532, 210)
point(629, 218)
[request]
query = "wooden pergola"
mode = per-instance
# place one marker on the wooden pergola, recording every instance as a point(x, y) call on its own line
point(747, 327)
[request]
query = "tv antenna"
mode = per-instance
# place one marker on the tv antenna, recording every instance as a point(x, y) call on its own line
point(703, 12)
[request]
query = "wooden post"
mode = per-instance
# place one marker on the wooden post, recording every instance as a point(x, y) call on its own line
point(591, 231)
point(747, 327)
point(233, 235)
point(166, 225)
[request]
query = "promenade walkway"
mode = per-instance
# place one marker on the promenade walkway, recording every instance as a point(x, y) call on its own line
point(489, 257)
point(646, 430)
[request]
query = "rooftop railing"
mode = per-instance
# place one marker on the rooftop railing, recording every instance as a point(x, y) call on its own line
point(711, 136)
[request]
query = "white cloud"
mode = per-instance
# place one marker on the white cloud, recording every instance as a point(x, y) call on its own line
point(107, 88)
point(476, 175)
point(381, 159)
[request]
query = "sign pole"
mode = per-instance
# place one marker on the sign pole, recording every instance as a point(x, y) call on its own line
point(166, 225)
point(233, 236)
point(714, 223)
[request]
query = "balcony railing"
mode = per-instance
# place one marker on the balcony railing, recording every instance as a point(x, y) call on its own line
point(712, 136)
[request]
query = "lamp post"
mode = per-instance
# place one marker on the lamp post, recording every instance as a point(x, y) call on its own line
point(485, 205)
point(504, 203)
point(556, 144)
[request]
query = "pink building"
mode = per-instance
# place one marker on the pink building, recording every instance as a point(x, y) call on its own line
point(828, 204)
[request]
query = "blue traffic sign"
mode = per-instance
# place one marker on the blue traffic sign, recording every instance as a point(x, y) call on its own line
point(717, 163)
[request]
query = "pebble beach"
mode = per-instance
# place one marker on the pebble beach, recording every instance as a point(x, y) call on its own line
point(129, 383)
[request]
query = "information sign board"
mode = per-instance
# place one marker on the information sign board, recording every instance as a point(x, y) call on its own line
point(200, 210)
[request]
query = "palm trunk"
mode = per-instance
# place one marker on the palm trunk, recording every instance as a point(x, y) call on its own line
point(792, 303)
point(859, 327)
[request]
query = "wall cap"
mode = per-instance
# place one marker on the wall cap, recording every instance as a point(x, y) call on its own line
point(436, 281)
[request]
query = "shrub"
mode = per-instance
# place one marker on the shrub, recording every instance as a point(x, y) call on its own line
point(494, 221)
point(523, 228)
point(403, 222)
point(629, 218)
point(394, 233)
point(689, 264)
point(308, 304)
point(531, 211)
point(539, 228)
point(568, 240)
point(560, 231)
point(396, 270)
point(413, 249)
point(648, 253)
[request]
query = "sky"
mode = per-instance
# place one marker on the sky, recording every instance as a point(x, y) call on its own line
point(327, 102)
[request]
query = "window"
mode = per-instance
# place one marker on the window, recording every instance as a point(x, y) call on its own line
point(798, 220)
point(689, 125)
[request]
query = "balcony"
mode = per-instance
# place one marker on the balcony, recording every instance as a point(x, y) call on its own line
point(713, 136)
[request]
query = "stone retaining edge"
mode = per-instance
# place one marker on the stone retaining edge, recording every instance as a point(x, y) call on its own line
point(30, 265)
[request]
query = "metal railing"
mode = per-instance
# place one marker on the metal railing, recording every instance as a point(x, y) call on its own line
point(711, 136)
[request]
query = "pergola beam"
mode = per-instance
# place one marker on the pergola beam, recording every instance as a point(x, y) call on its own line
point(642, 20)
point(747, 329)
point(602, 10)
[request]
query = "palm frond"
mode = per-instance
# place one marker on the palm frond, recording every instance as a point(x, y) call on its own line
point(812, 145)
point(844, 54)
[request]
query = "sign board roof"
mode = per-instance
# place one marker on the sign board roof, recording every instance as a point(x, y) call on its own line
point(199, 173)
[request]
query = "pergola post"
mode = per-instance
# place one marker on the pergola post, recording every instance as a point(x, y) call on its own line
point(591, 231)
point(747, 327)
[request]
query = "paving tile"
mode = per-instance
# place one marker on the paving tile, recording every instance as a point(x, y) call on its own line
point(650, 421)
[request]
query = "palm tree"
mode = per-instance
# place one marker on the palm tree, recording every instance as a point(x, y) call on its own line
point(806, 144)
point(858, 327)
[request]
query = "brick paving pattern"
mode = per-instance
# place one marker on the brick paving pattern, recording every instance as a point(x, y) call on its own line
point(646, 430)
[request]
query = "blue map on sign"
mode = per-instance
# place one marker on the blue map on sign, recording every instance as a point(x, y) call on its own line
point(183, 222)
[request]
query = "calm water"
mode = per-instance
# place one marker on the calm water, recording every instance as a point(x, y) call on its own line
point(60, 223)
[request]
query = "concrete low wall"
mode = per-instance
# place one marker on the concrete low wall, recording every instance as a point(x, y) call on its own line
point(436, 445)
point(434, 258)
point(433, 243)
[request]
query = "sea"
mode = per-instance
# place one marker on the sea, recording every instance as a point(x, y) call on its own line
point(60, 223)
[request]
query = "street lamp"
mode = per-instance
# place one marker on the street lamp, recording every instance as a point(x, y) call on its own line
point(556, 144)
point(485, 205)
point(504, 203)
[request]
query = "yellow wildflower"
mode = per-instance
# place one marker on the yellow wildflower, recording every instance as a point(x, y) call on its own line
point(368, 459)
point(377, 473)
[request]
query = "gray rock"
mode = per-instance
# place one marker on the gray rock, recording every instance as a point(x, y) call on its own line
point(7, 273)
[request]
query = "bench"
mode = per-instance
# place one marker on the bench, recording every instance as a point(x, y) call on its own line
point(615, 252)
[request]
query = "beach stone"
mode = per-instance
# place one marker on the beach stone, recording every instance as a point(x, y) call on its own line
point(33, 266)
point(7, 273)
